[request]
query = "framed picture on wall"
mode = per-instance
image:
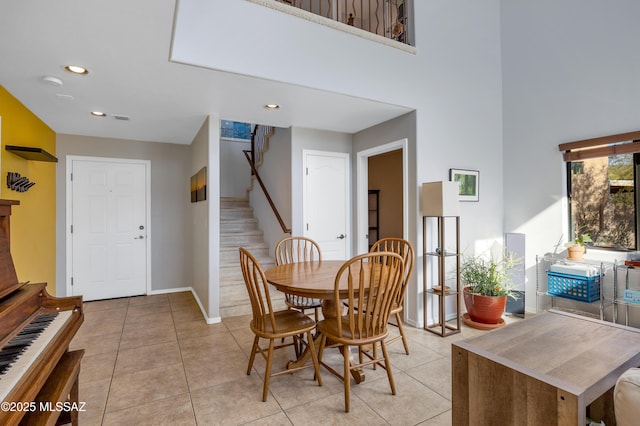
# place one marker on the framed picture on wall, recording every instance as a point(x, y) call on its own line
point(199, 186)
point(469, 183)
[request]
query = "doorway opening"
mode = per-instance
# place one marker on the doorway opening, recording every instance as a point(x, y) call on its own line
point(383, 169)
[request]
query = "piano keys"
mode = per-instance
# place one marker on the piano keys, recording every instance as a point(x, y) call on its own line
point(19, 344)
point(36, 345)
point(35, 331)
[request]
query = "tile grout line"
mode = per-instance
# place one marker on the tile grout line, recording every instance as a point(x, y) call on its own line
point(184, 371)
point(104, 412)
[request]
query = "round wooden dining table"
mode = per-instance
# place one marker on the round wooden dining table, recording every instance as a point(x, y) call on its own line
point(315, 280)
point(309, 279)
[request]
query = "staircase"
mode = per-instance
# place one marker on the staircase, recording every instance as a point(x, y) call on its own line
point(238, 228)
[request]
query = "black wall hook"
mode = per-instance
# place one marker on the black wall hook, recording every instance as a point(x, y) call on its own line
point(18, 183)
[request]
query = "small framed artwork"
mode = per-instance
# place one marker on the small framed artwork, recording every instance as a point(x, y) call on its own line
point(199, 186)
point(469, 182)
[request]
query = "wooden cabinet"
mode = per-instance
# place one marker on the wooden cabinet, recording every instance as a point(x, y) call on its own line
point(550, 369)
point(441, 273)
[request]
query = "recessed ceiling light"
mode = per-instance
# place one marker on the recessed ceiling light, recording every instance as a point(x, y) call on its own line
point(99, 113)
point(272, 106)
point(75, 69)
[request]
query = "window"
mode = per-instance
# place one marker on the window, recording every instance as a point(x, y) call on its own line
point(602, 200)
point(235, 130)
point(602, 185)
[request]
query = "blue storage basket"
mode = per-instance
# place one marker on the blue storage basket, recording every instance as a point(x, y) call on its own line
point(583, 289)
point(631, 296)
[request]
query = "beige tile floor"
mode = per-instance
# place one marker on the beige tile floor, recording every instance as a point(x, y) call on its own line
point(153, 360)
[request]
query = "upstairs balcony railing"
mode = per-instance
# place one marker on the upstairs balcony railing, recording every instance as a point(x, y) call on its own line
point(387, 18)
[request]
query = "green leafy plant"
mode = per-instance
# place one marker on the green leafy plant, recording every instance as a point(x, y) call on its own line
point(489, 277)
point(580, 241)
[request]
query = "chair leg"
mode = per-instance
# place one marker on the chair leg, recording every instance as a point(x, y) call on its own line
point(401, 329)
point(323, 342)
point(267, 371)
point(314, 358)
point(388, 367)
point(297, 345)
point(375, 355)
point(346, 379)
point(253, 354)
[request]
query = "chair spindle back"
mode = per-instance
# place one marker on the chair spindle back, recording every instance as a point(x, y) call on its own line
point(405, 250)
point(297, 249)
point(374, 281)
point(258, 290)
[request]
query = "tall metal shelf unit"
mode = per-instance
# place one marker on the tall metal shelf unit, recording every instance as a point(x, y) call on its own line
point(544, 263)
point(435, 279)
point(624, 272)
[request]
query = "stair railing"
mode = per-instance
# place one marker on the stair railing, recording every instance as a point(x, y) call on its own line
point(387, 18)
point(259, 140)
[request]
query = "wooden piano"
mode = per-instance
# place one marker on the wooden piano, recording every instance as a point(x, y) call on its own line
point(38, 374)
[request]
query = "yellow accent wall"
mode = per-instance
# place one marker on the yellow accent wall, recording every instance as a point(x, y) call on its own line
point(33, 222)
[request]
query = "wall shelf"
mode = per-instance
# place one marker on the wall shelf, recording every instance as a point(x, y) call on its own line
point(31, 153)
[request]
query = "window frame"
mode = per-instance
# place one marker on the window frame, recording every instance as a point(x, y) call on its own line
point(232, 139)
point(605, 146)
point(636, 202)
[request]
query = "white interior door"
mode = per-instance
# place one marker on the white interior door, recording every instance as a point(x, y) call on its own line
point(326, 202)
point(109, 228)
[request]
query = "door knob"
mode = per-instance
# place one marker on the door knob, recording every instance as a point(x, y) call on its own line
point(341, 237)
point(139, 237)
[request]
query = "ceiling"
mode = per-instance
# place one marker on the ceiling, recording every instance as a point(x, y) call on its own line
point(126, 47)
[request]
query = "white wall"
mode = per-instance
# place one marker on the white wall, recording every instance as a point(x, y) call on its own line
point(276, 175)
point(205, 220)
point(570, 72)
point(459, 116)
point(235, 172)
point(200, 224)
point(213, 191)
point(281, 47)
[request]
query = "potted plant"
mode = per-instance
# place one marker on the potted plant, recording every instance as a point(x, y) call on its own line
point(576, 248)
point(487, 285)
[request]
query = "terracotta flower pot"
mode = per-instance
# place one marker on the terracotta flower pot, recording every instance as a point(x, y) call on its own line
point(484, 309)
point(575, 252)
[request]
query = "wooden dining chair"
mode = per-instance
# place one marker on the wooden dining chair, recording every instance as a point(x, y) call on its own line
point(299, 249)
point(371, 283)
point(270, 325)
point(404, 249)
